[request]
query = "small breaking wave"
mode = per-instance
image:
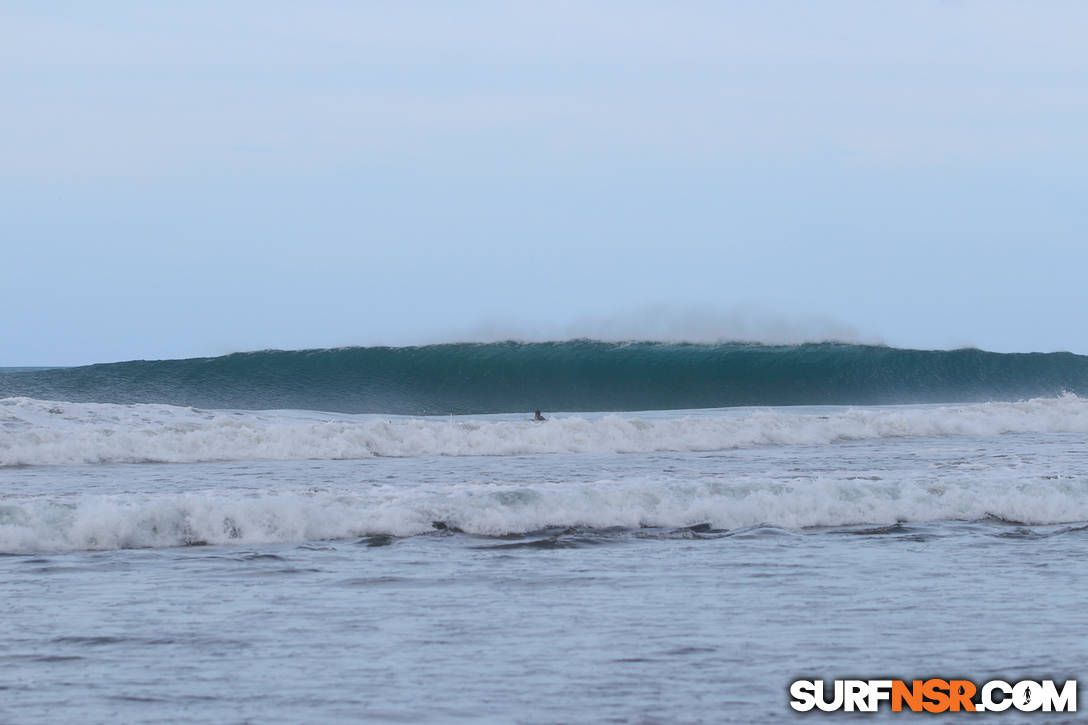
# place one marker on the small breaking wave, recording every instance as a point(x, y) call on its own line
point(95, 522)
point(37, 432)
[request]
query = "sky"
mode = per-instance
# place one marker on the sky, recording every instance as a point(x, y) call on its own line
point(190, 179)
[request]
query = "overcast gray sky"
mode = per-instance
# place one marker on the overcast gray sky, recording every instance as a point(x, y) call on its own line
point(181, 179)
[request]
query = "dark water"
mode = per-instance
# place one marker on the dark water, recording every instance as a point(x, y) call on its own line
point(582, 375)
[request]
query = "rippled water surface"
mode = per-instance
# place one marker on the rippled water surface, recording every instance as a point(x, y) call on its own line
point(593, 587)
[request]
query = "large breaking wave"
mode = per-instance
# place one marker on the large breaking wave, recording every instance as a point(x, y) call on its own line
point(580, 375)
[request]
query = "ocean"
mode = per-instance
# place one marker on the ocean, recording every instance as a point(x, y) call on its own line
point(383, 534)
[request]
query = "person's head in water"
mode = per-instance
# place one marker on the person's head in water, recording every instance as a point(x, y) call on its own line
point(538, 416)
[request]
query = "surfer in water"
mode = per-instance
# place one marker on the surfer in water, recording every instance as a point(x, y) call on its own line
point(538, 417)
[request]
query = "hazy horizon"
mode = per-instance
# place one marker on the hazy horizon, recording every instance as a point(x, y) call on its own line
point(191, 180)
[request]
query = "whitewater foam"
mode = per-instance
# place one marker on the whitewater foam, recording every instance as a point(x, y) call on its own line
point(168, 520)
point(37, 432)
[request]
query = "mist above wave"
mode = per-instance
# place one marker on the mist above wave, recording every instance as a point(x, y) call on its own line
point(676, 324)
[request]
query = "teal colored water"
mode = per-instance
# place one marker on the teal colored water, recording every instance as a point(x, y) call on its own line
point(292, 551)
point(581, 375)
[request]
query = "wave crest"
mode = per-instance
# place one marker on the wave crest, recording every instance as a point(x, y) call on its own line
point(578, 375)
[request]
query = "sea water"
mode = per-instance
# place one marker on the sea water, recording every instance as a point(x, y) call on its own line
point(168, 564)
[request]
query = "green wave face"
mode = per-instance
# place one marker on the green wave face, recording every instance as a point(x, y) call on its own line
point(578, 375)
